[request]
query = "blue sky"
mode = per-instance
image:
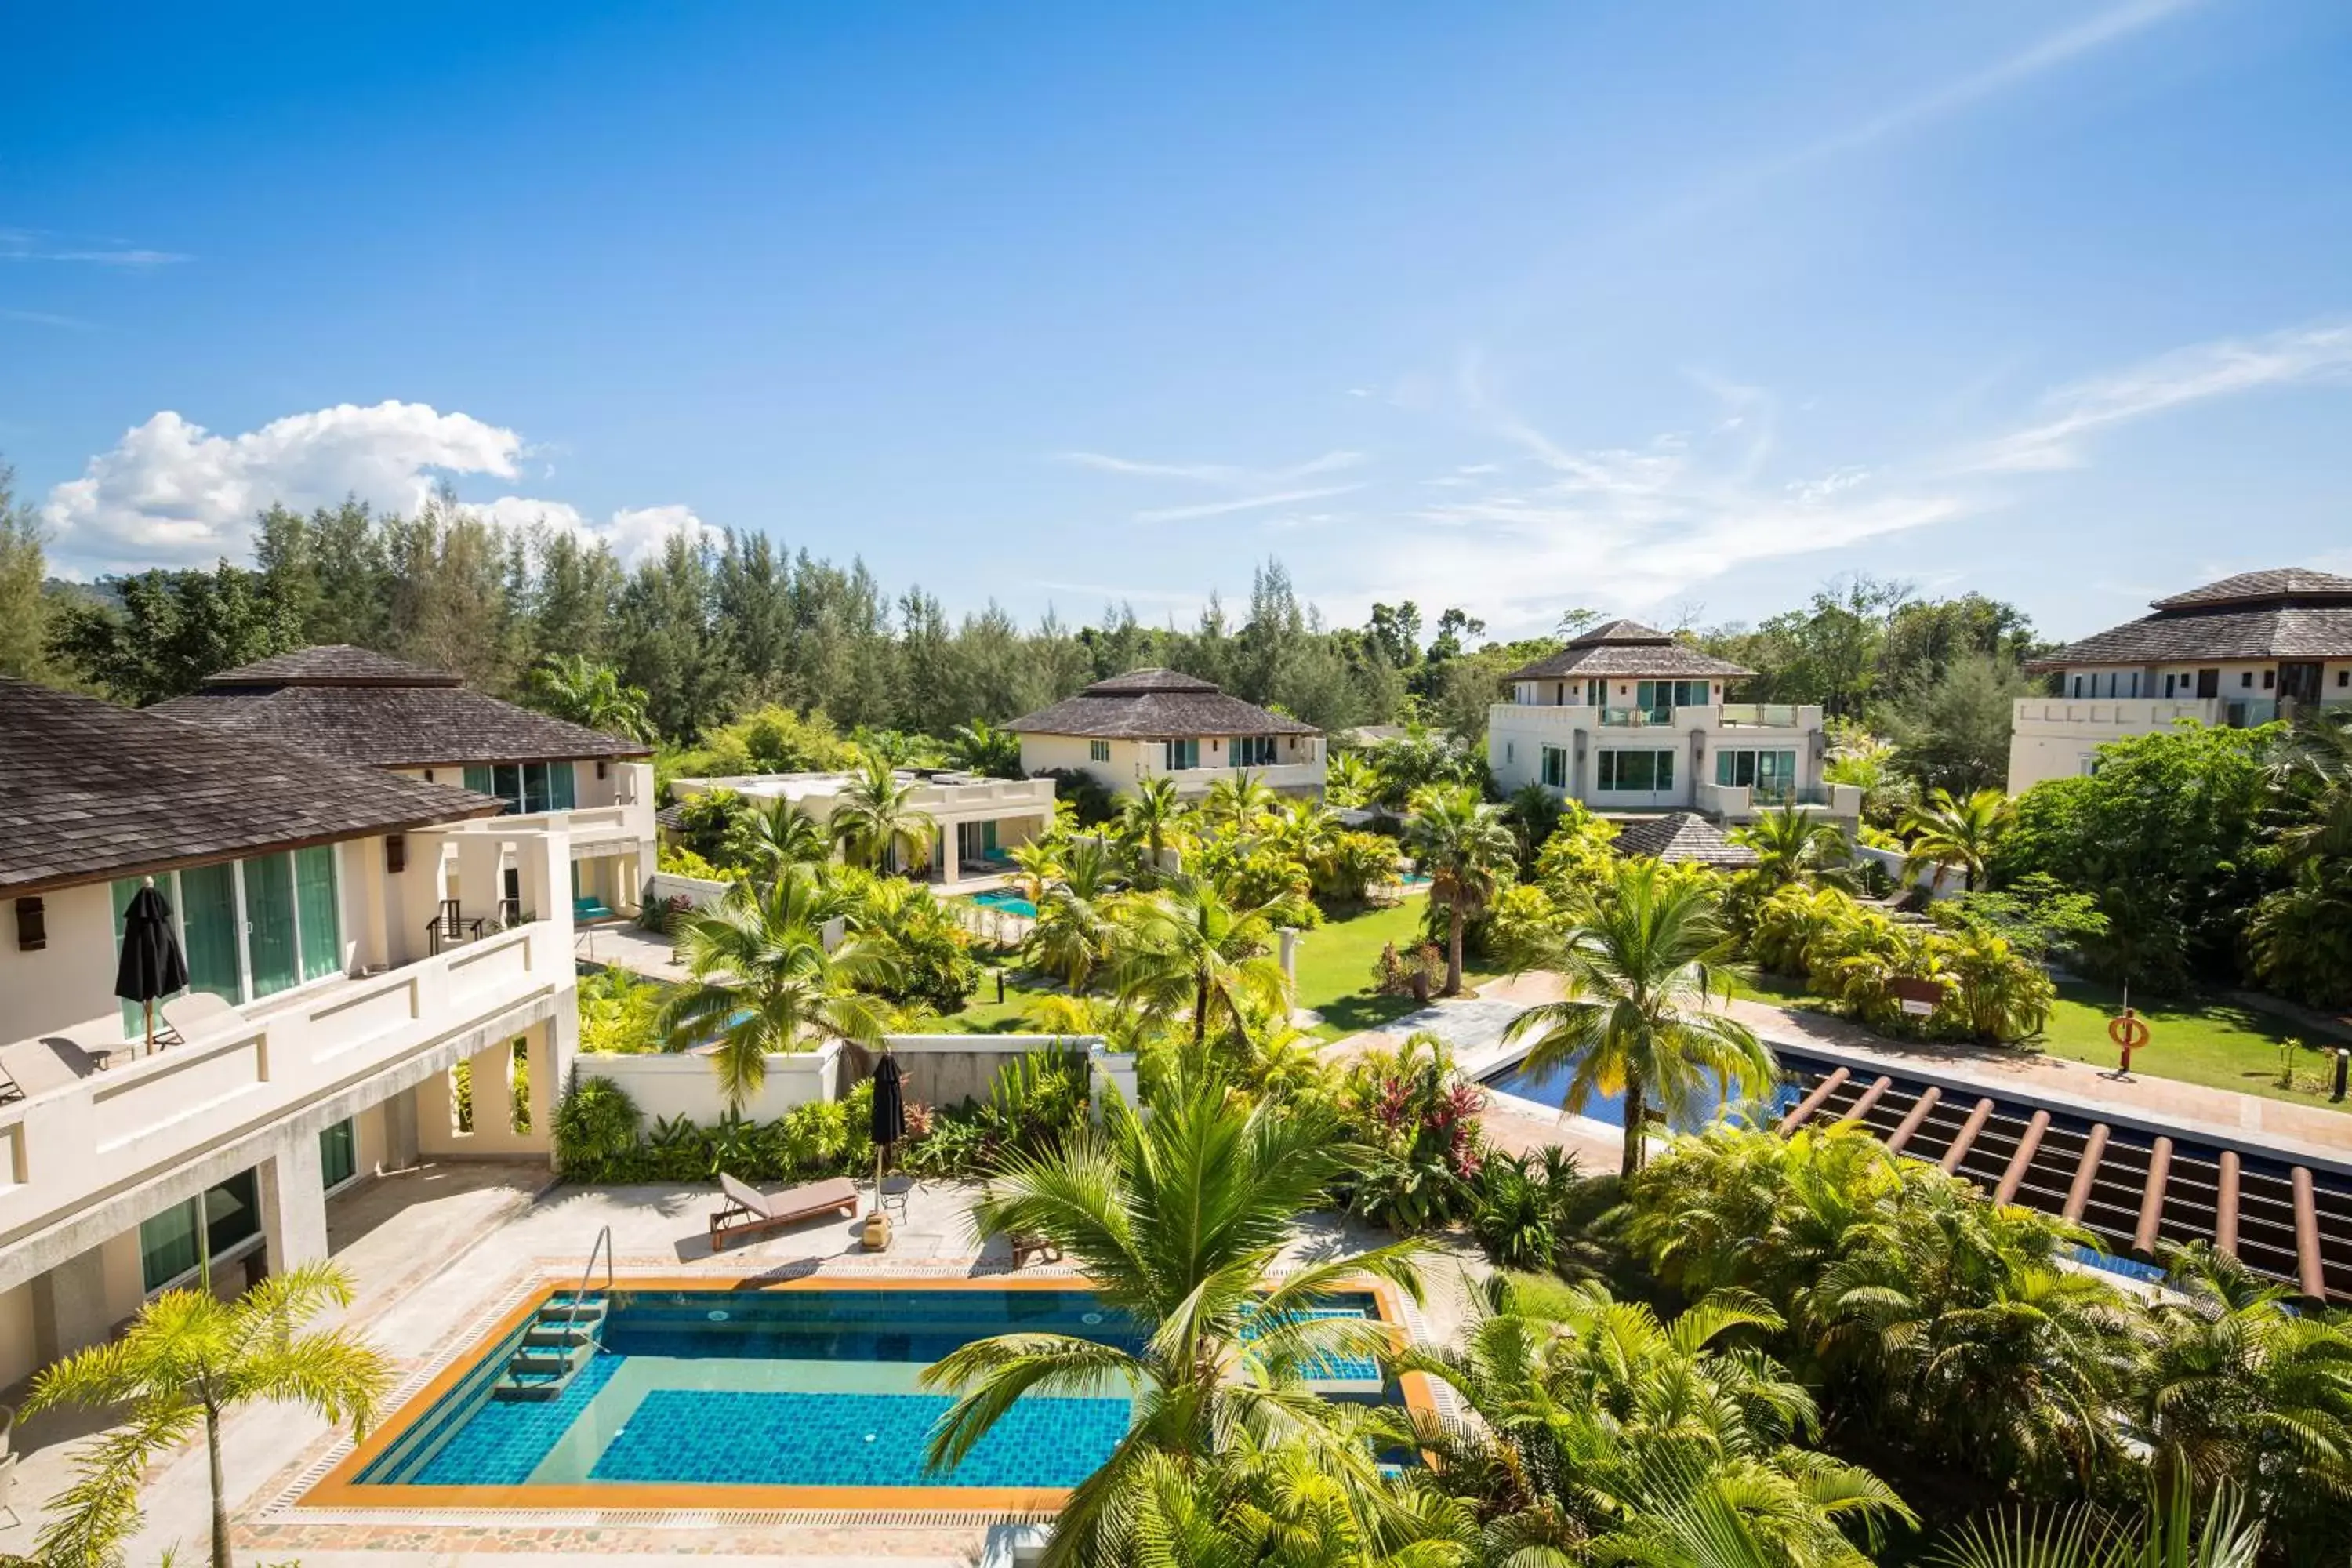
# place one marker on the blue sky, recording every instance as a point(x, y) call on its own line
point(1662, 309)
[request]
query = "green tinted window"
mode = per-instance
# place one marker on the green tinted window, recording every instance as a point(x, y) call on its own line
point(316, 906)
point(270, 922)
point(339, 1158)
point(208, 920)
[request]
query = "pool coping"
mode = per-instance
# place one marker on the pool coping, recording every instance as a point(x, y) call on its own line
point(329, 1490)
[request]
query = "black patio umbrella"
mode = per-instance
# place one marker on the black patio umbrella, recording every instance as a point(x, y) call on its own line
point(151, 964)
point(889, 1120)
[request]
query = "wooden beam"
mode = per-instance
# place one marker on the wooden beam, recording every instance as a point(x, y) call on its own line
point(2151, 1197)
point(1969, 1131)
point(1812, 1102)
point(1902, 1135)
point(2026, 1146)
point(2093, 1148)
point(2225, 1212)
point(1869, 1100)
point(2307, 1236)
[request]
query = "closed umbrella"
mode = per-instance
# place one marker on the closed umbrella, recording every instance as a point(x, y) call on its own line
point(151, 964)
point(889, 1120)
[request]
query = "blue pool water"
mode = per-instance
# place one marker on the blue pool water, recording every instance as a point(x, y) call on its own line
point(1551, 1088)
point(1010, 902)
point(788, 1388)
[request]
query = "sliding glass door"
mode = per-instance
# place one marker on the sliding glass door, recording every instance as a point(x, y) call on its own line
point(269, 923)
point(249, 928)
point(209, 935)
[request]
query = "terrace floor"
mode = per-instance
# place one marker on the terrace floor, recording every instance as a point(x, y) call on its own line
point(435, 1252)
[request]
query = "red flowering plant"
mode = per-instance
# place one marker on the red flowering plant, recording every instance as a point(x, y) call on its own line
point(1419, 1120)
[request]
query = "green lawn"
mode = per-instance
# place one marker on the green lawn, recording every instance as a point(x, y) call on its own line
point(1336, 962)
point(2214, 1043)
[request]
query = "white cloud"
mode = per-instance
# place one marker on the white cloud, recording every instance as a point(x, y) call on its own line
point(172, 493)
point(2170, 381)
point(1215, 473)
point(38, 244)
point(1240, 503)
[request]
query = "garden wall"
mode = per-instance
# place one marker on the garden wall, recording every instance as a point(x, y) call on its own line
point(940, 1070)
point(1891, 861)
point(696, 890)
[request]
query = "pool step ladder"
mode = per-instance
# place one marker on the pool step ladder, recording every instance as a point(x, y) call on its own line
point(563, 1335)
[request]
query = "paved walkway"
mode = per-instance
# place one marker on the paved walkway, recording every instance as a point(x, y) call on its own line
point(630, 947)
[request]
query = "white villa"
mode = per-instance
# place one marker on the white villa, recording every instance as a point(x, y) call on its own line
point(1625, 719)
point(978, 821)
point(357, 706)
point(1157, 724)
point(2240, 652)
point(341, 926)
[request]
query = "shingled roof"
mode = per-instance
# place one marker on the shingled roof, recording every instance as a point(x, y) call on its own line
point(2285, 613)
point(1629, 648)
point(360, 705)
point(1681, 836)
point(89, 791)
point(1155, 704)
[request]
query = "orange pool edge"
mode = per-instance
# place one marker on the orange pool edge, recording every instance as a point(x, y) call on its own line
point(341, 1489)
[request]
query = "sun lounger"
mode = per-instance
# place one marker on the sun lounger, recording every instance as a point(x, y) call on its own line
point(747, 1211)
point(37, 1067)
point(198, 1012)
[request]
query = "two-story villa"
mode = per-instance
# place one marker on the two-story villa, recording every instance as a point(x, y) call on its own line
point(358, 706)
point(1627, 719)
point(328, 1001)
point(1157, 724)
point(2240, 652)
point(976, 823)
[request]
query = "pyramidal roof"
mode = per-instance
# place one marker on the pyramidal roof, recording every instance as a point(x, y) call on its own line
point(2285, 612)
point(2276, 583)
point(1155, 704)
point(332, 663)
point(1629, 648)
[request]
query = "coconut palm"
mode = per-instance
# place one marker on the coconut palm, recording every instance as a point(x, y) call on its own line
point(1304, 831)
point(1178, 1222)
point(1638, 1018)
point(1797, 847)
point(1462, 847)
point(1147, 817)
point(1187, 946)
point(2311, 770)
point(574, 687)
point(1946, 834)
point(764, 983)
point(187, 1360)
point(876, 822)
point(1348, 780)
point(766, 838)
point(1075, 928)
point(983, 748)
point(1035, 864)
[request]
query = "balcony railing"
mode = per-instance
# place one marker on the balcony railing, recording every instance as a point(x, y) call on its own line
point(1636, 718)
point(1761, 716)
point(1773, 793)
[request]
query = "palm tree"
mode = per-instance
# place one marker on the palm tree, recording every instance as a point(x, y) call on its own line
point(1178, 1222)
point(1534, 811)
point(1146, 818)
point(1035, 864)
point(1796, 846)
point(1462, 847)
point(1348, 780)
point(1947, 834)
point(185, 1361)
point(2311, 771)
point(768, 838)
point(1237, 804)
point(764, 983)
point(1187, 946)
point(983, 748)
point(876, 819)
point(1076, 926)
point(1638, 1017)
point(2168, 1536)
point(574, 687)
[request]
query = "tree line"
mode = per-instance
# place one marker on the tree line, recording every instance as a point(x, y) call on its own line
point(711, 627)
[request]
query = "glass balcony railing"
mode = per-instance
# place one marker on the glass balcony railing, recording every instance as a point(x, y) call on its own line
point(1636, 718)
point(2248, 712)
point(1760, 715)
point(1771, 792)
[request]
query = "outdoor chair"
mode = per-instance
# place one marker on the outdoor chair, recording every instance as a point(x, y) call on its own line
point(750, 1211)
point(1028, 1244)
point(195, 1012)
point(37, 1067)
point(589, 907)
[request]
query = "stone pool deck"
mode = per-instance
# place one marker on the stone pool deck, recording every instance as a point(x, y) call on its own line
point(433, 1253)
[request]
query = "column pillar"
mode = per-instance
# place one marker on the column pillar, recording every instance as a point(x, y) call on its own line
point(69, 1309)
point(550, 1059)
point(293, 1193)
point(400, 1152)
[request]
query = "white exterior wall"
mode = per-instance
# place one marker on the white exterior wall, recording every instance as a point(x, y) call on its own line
point(1298, 768)
point(1517, 733)
point(687, 1086)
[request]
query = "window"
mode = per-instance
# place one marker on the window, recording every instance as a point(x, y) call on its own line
point(2246, 679)
point(167, 1243)
point(339, 1154)
point(2077, 690)
point(2344, 677)
point(1670, 694)
point(1097, 750)
point(2270, 680)
point(1252, 752)
point(249, 928)
point(1510, 752)
point(525, 786)
point(1596, 693)
point(1176, 756)
point(1770, 774)
point(2169, 679)
point(1636, 773)
point(1555, 766)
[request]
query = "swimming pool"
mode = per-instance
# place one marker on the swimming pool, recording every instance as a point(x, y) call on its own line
point(1551, 1088)
point(790, 1394)
point(1011, 903)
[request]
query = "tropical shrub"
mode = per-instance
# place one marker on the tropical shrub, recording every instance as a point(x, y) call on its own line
point(679, 860)
point(1418, 1122)
point(595, 1126)
point(1357, 868)
point(1852, 957)
point(1525, 1206)
point(1416, 972)
point(619, 1013)
point(2301, 936)
point(707, 828)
